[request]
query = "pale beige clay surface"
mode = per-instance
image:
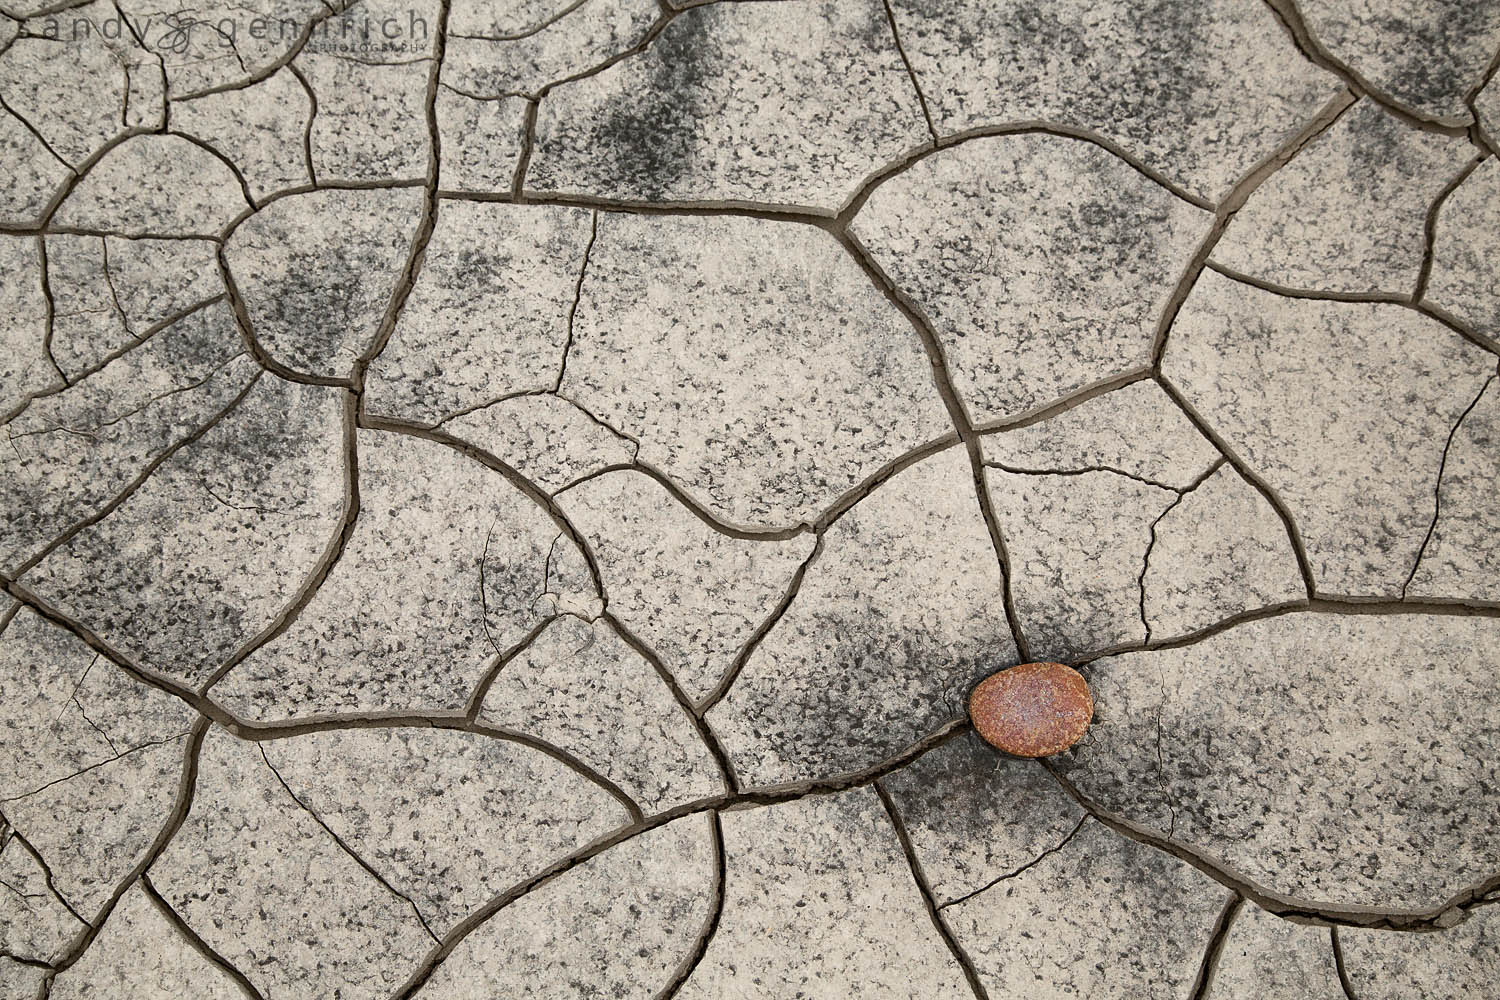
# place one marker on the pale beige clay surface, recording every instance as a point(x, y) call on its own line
point(511, 499)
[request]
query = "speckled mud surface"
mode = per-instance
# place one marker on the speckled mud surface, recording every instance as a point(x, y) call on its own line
point(509, 499)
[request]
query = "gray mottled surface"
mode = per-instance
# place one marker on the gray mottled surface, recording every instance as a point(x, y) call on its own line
point(856, 908)
point(1350, 768)
point(1101, 916)
point(1426, 56)
point(1461, 962)
point(1042, 263)
point(1348, 214)
point(1343, 408)
point(1463, 262)
point(866, 659)
point(512, 499)
point(1265, 956)
point(1164, 80)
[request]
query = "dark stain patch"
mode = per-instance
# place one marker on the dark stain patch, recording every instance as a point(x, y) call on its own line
point(652, 136)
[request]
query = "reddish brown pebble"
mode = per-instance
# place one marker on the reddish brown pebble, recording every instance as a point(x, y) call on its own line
point(1032, 710)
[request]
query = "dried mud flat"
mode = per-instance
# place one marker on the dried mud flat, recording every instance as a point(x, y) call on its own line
point(509, 500)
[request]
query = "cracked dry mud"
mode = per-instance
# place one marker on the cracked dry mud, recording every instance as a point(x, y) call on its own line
point(509, 500)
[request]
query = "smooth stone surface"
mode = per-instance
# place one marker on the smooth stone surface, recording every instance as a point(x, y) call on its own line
point(1135, 430)
point(1425, 54)
point(1219, 551)
point(791, 103)
point(1166, 81)
point(782, 382)
point(316, 272)
point(1077, 583)
point(213, 544)
point(975, 817)
point(851, 924)
point(1342, 407)
point(266, 885)
point(448, 819)
point(579, 686)
point(155, 185)
point(1461, 559)
point(1266, 956)
point(490, 314)
point(1042, 263)
point(139, 953)
point(1465, 274)
point(617, 925)
point(1101, 917)
point(1338, 759)
point(1032, 709)
point(867, 657)
point(1460, 962)
point(1348, 213)
point(695, 594)
point(445, 568)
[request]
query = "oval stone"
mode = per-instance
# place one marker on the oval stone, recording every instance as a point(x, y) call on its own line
point(1032, 710)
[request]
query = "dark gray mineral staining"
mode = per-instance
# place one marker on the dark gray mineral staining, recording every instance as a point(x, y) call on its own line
point(564, 572)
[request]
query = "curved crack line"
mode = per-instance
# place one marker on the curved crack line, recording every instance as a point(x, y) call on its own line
point(271, 68)
point(246, 327)
point(344, 846)
point(91, 432)
point(230, 164)
point(911, 73)
point(1217, 938)
point(1294, 534)
point(47, 879)
point(726, 681)
point(1338, 963)
point(524, 33)
point(767, 795)
point(1230, 205)
point(691, 961)
point(1437, 488)
point(182, 805)
point(1315, 52)
point(322, 569)
point(406, 280)
point(487, 459)
point(135, 484)
point(1182, 494)
point(1430, 224)
point(196, 942)
point(958, 414)
point(1424, 308)
point(148, 745)
point(959, 900)
point(1283, 905)
point(307, 127)
point(583, 271)
point(705, 732)
point(939, 923)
